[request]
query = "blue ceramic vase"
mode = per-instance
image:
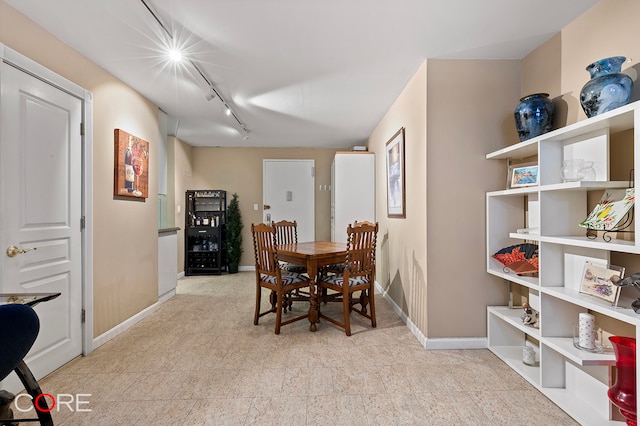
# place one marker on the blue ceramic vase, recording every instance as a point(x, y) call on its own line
point(608, 88)
point(534, 115)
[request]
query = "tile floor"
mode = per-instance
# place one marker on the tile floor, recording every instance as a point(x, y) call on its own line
point(199, 360)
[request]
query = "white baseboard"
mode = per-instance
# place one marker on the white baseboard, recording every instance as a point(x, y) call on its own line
point(168, 295)
point(456, 343)
point(412, 327)
point(433, 344)
point(180, 275)
point(128, 323)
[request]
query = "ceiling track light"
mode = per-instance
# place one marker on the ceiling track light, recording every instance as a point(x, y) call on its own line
point(212, 92)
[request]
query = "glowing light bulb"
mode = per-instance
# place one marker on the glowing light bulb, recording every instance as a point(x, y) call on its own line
point(175, 55)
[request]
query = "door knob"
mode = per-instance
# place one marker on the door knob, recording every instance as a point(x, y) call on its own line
point(13, 250)
point(266, 207)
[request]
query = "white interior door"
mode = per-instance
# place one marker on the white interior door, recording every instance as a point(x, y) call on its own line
point(40, 201)
point(288, 191)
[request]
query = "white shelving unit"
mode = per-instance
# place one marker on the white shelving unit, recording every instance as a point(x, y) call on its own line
point(576, 380)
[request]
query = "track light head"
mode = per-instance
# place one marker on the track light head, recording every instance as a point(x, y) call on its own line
point(211, 94)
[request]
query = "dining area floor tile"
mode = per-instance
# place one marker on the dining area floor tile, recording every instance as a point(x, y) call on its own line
point(198, 359)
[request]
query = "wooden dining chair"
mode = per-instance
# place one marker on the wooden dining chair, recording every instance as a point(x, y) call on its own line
point(287, 233)
point(357, 275)
point(269, 275)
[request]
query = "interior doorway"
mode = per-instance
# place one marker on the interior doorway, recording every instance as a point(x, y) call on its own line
point(43, 184)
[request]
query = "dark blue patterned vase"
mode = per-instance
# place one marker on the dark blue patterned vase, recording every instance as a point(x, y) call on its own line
point(534, 115)
point(608, 88)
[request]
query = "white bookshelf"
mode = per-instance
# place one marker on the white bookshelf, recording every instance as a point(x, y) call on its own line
point(576, 380)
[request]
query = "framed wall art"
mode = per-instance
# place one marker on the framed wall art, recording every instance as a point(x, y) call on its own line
point(396, 175)
point(596, 281)
point(131, 165)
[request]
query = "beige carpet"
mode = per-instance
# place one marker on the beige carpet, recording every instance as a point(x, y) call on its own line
point(199, 360)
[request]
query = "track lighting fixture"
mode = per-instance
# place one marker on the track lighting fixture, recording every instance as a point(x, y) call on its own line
point(211, 93)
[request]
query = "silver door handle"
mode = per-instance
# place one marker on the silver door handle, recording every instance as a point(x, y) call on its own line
point(13, 250)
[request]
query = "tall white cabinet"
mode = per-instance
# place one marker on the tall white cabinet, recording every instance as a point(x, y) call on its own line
point(352, 191)
point(576, 380)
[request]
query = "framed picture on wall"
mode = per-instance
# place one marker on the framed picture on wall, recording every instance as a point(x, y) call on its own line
point(131, 165)
point(396, 175)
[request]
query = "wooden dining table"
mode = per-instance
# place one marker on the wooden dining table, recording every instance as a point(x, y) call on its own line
point(313, 255)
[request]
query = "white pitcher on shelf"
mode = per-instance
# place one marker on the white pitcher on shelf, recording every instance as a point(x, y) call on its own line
point(577, 169)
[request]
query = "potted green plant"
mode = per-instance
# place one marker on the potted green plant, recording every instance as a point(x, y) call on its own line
point(233, 238)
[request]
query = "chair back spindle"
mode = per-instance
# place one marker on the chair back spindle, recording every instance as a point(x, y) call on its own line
point(286, 231)
point(361, 248)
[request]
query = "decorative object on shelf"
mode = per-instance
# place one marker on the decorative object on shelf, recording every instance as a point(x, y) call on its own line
point(587, 330)
point(623, 393)
point(233, 240)
point(576, 169)
point(534, 115)
point(610, 210)
point(520, 258)
point(529, 355)
point(631, 280)
point(588, 337)
point(608, 88)
point(396, 175)
point(524, 176)
point(517, 173)
point(529, 316)
point(131, 165)
point(598, 281)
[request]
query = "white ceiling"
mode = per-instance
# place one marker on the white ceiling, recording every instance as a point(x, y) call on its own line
point(297, 73)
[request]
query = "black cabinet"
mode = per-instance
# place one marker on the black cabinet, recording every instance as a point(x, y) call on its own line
point(204, 232)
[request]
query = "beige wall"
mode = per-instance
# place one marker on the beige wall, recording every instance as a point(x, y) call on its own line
point(240, 170)
point(125, 235)
point(401, 261)
point(433, 262)
point(183, 173)
point(470, 113)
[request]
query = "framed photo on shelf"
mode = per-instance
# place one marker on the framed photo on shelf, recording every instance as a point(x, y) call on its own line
point(596, 281)
point(396, 175)
point(521, 175)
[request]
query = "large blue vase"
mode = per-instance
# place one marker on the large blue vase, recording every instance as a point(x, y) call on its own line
point(534, 115)
point(608, 88)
